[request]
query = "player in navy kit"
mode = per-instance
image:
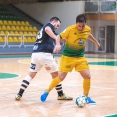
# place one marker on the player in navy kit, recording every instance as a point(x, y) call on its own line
point(42, 55)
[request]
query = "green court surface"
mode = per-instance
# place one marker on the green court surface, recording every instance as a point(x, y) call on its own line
point(8, 75)
point(15, 56)
point(114, 115)
point(107, 63)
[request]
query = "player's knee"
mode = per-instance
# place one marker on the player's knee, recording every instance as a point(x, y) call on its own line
point(62, 75)
point(86, 76)
point(54, 74)
point(32, 74)
point(47, 68)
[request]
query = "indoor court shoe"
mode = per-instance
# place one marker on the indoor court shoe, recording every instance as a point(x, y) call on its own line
point(90, 101)
point(44, 96)
point(64, 97)
point(18, 97)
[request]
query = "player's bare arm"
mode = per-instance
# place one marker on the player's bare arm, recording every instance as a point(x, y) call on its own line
point(58, 45)
point(49, 31)
point(91, 37)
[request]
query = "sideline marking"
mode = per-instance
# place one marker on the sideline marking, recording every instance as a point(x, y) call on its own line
point(113, 115)
point(6, 75)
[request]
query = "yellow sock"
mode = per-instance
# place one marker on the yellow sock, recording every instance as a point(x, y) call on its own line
point(53, 84)
point(86, 86)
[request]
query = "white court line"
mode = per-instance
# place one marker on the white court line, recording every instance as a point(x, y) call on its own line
point(103, 87)
point(68, 85)
point(106, 96)
point(20, 61)
point(91, 86)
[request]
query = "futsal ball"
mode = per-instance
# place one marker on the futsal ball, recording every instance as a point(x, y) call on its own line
point(81, 101)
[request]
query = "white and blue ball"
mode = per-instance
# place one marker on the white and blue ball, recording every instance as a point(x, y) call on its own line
point(81, 101)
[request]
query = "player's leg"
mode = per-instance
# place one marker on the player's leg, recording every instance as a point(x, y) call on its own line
point(86, 85)
point(57, 80)
point(83, 69)
point(25, 83)
point(61, 94)
point(52, 85)
point(86, 82)
point(51, 66)
point(35, 66)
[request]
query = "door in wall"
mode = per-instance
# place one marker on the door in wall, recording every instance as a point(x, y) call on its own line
point(110, 39)
point(102, 39)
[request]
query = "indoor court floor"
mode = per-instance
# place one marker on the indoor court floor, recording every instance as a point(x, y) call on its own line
point(103, 90)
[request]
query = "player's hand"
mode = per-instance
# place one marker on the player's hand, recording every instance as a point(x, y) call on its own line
point(62, 40)
point(57, 49)
point(98, 45)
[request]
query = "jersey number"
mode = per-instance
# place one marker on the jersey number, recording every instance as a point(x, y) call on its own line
point(39, 36)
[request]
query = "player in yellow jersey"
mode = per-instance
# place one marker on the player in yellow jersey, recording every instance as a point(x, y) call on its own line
point(73, 55)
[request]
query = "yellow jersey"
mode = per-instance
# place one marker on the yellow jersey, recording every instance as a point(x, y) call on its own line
point(75, 40)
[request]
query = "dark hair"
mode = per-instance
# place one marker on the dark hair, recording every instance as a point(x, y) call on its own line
point(55, 19)
point(81, 18)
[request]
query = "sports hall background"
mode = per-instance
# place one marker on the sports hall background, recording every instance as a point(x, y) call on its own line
point(20, 21)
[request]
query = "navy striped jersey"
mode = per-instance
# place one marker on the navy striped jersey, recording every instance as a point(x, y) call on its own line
point(44, 43)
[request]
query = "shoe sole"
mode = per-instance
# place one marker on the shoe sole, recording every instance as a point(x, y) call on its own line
point(17, 98)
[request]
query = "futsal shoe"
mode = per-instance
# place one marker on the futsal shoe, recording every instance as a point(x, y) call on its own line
point(90, 101)
point(18, 96)
point(44, 96)
point(64, 97)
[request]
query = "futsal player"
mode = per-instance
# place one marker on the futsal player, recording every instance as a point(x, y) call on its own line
point(73, 56)
point(42, 55)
